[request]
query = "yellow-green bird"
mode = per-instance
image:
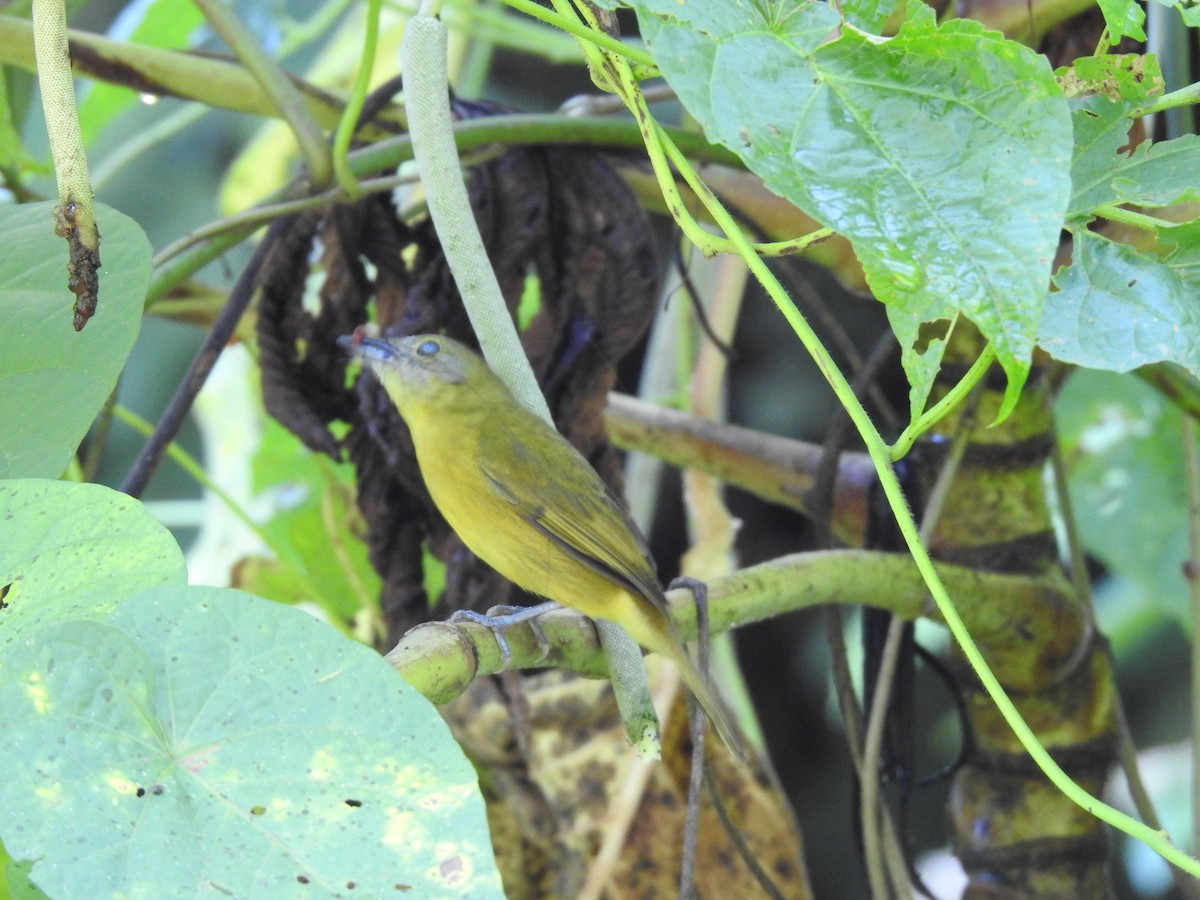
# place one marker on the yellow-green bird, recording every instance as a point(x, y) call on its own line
point(522, 498)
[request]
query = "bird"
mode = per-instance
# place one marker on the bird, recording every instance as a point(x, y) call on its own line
point(522, 498)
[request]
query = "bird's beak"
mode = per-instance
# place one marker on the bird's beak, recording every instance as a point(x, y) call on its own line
point(367, 348)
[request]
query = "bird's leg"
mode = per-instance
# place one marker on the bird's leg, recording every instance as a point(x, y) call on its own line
point(509, 616)
point(700, 597)
point(696, 722)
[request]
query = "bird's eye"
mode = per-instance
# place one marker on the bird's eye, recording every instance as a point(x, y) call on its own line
point(428, 348)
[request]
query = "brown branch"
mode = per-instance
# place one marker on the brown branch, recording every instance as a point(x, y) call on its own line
point(778, 469)
point(440, 659)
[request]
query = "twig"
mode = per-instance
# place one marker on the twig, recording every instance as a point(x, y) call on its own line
point(206, 357)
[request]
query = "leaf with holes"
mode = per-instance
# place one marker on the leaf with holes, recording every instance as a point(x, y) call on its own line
point(943, 153)
point(1118, 309)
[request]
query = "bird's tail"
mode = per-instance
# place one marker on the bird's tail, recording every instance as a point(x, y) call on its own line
point(712, 705)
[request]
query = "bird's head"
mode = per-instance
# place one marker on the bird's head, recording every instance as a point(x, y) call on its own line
point(422, 368)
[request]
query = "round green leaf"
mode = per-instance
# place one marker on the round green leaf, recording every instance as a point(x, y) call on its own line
point(54, 380)
point(74, 550)
point(206, 741)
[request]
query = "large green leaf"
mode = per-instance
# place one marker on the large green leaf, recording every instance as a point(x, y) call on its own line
point(943, 153)
point(189, 740)
point(207, 740)
point(869, 15)
point(54, 380)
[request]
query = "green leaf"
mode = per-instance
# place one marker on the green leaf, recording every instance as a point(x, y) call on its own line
point(75, 549)
point(54, 380)
point(942, 154)
point(1123, 18)
point(164, 23)
point(1121, 442)
point(1155, 174)
point(1118, 76)
point(202, 739)
point(1118, 309)
point(869, 15)
point(325, 563)
point(1183, 243)
point(1190, 10)
point(1161, 173)
point(13, 156)
point(1100, 129)
point(161, 739)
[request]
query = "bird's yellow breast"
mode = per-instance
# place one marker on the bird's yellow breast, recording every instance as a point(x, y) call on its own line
point(495, 531)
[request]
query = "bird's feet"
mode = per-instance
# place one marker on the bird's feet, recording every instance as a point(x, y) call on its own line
point(498, 618)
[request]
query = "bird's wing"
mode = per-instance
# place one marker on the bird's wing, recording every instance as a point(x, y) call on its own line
point(560, 495)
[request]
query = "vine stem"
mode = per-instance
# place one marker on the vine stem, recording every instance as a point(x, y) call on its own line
point(1185, 96)
point(436, 155)
point(75, 214)
point(276, 85)
point(939, 410)
point(579, 30)
point(873, 813)
point(358, 95)
point(1115, 213)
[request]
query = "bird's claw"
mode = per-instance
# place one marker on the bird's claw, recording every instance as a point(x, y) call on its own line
point(498, 618)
